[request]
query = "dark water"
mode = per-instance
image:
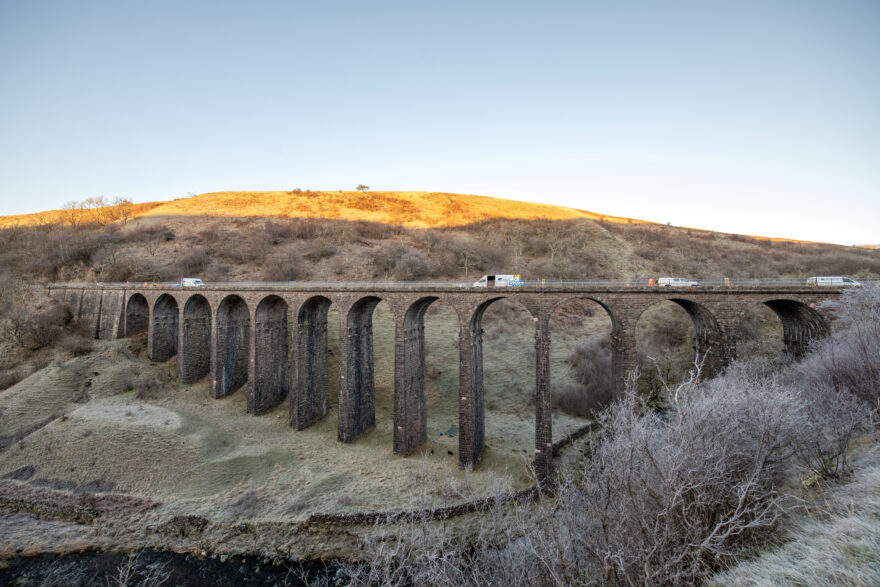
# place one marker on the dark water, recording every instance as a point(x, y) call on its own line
point(154, 567)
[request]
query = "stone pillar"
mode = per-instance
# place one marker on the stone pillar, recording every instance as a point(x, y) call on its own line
point(357, 412)
point(410, 401)
point(270, 382)
point(624, 359)
point(471, 417)
point(308, 403)
point(727, 344)
point(543, 402)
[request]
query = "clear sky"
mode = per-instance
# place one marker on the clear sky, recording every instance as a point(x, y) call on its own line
point(758, 117)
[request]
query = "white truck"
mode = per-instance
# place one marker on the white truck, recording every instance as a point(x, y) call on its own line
point(191, 282)
point(676, 282)
point(832, 281)
point(506, 280)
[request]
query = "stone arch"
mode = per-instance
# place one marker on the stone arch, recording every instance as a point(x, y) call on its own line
point(604, 358)
point(410, 401)
point(472, 415)
point(357, 407)
point(708, 336)
point(194, 359)
point(800, 324)
point(164, 328)
point(271, 381)
point(137, 315)
point(232, 346)
point(309, 400)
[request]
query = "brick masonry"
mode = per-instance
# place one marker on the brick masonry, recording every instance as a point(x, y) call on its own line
point(272, 342)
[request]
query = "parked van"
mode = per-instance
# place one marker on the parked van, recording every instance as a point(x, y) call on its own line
point(191, 282)
point(832, 281)
point(675, 282)
point(499, 281)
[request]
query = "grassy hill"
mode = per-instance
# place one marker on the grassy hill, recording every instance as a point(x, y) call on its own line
point(409, 209)
point(301, 235)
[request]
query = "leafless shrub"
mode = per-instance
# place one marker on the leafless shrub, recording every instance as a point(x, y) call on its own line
point(850, 359)
point(28, 318)
point(678, 494)
point(134, 571)
point(593, 387)
point(10, 378)
point(832, 418)
point(373, 230)
point(76, 344)
point(195, 260)
point(286, 266)
point(321, 249)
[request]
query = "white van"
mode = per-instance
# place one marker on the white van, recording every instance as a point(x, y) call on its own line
point(499, 281)
point(676, 282)
point(832, 281)
point(191, 282)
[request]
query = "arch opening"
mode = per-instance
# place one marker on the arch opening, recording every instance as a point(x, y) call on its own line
point(309, 401)
point(664, 346)
point(165, 328)
point(759, 336)
point(233, 347)
point(271, 381)
point(194, 360)
point(801, 324)
point(410, 397)
point(137, 315)
point(500, 340)
point(583, 377)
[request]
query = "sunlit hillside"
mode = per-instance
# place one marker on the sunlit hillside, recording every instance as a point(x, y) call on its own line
point(410, 209)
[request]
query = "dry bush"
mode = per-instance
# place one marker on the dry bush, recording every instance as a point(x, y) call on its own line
point(28, 318)
point(832, 417)
point(850, 359)
point(593, 388)
point(10, 378)
point(76, 344)
point(194, 261)
point(393, 260)
point(374, 230)
point(321, 249)
point(285, 266)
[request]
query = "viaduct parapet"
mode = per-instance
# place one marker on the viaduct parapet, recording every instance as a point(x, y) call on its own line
point(272, 342)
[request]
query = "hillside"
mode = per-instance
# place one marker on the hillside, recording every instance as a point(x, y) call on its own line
point(302, 235)
point(409, 209)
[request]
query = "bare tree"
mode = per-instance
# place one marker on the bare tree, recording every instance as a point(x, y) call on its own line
point(124, 208)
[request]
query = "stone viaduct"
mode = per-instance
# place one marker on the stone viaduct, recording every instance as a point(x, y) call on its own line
point(272, 341)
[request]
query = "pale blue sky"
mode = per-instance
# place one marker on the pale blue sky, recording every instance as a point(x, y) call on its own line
point(754, 117)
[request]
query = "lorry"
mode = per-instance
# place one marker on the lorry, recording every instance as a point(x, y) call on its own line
point(832, 281)
point(499, 281)
point(675, 282)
